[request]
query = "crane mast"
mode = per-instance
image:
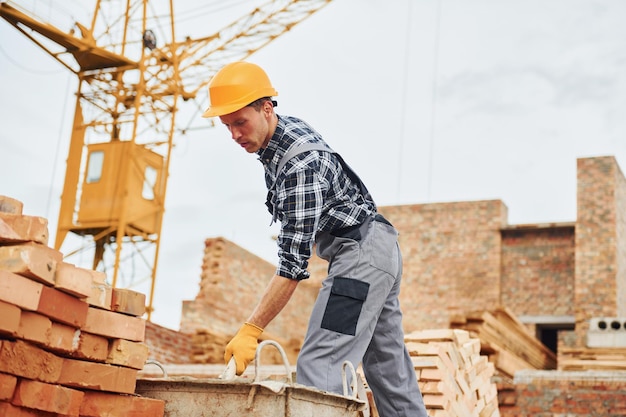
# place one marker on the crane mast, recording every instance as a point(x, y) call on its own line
point(131, 85)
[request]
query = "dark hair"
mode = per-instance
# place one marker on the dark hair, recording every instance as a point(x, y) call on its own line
point(258, 103)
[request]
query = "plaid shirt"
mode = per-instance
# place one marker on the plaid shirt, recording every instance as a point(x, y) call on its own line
point(313, 193)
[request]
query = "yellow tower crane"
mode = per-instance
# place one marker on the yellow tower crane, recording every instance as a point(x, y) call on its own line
point(130, 86)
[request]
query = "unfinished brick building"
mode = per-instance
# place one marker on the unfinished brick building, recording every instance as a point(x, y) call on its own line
point(558, 279)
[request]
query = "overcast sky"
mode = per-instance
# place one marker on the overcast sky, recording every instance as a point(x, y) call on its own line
point(429, 101)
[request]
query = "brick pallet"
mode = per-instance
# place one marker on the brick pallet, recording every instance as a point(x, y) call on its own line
point(70, 345)
point(455, 379)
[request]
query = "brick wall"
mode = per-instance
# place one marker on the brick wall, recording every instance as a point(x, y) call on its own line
point(571, 394)
point(598, 268)
point(620, 209)
point(450, 251)
point(538, 270)
point(231, 284)
point(460, 257)
point(167, 346)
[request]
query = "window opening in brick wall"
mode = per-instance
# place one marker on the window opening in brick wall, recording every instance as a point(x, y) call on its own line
point(548, 333)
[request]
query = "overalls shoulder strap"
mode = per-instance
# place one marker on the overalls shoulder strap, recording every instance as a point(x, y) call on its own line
point(309, 146)
point(305, 147)
point(297, 150)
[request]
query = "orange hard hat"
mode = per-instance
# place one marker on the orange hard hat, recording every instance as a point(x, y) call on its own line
point(235, 86)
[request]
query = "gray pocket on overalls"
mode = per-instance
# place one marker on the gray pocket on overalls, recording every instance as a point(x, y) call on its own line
point(344, 305)
point(384, 254)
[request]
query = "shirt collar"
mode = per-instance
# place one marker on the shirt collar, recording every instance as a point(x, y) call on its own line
point(267, 154)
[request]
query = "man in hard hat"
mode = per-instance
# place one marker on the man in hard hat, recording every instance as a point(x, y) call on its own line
point(318, 199)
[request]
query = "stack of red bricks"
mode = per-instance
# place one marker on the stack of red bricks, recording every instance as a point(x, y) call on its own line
point(70, 345)
point(455, 379)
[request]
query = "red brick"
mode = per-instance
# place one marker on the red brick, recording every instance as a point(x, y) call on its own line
point(62, 338)
point(34, 327)
point(7, 386)
point(32, 260)
point(98, 277)
point(126, 353)
point(73, 280)
point(9, 318)
point(47, 397)
point(99, 404)
point(91, 347)
point(20, 358)
point(62, 307)
point(16, 228)
point(115, 325)
point(97, 376)
point(10, 410)
point(10, 205)
point(128, 302)
point(100, 296)
point(20, 291)
point(101, 292)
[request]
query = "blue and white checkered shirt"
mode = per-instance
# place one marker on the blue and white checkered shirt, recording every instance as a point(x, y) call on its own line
point(313, 194)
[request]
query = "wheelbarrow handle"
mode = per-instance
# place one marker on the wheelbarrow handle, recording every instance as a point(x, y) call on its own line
point(344, 378)
point(357, 386)
point(257, 359)
point(230, 371)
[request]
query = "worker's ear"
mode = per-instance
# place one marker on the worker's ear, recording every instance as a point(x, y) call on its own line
point(268, 108)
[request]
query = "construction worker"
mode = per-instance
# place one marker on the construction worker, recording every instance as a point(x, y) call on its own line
point(318, 199)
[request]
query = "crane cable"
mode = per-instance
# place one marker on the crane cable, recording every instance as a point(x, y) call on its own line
point(58, 147)
point(433, 105)
point(404, 100)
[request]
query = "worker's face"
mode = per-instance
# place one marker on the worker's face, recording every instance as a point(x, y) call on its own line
point(250, 127)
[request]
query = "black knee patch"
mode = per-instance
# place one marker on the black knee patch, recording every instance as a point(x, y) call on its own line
point(344, 305)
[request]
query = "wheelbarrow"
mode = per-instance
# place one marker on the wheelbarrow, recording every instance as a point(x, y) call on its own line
point(238, 397)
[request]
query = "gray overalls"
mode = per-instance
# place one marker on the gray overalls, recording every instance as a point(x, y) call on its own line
point(357, 316)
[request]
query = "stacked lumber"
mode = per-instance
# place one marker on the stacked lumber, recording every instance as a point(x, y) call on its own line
point(70, 345)
point(585, 359)
point(505, 340)
point(455, 379)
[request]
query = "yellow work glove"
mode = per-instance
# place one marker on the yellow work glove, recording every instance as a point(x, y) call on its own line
point(243, 346)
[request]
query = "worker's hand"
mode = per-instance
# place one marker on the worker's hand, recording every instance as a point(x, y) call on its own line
point(243, 346)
